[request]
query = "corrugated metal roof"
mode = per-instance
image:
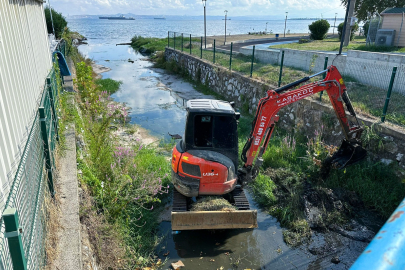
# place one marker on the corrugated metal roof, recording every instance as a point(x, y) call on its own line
point(393, 10)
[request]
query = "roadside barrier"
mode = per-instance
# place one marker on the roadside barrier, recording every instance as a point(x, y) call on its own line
point(23, 226)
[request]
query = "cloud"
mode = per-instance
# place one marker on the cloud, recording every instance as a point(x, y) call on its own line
point(274, 8)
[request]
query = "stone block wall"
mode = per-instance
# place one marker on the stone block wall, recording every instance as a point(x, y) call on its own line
point(306, 116)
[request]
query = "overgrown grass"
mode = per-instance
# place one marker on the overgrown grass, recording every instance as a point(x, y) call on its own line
point(109, 85)
point(148, 45)
point(328, 44)
point(127, 184)
point(292, 161)
point(369, 100)
point(333, 44)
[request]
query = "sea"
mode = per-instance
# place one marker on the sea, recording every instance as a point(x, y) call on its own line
point(115, 31)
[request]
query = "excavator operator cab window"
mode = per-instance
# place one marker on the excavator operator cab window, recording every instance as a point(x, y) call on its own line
point(203, 130)
point(214, 131)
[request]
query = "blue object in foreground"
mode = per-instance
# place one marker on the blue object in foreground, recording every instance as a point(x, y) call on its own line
point(387, 250)
point(64, 69)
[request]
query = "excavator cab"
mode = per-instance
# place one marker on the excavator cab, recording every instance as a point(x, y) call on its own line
point(205, 163)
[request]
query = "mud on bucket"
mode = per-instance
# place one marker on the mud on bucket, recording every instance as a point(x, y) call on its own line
point(348, 153)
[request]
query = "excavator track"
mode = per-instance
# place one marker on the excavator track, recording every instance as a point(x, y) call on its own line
point(240, 199)
point(179, 202)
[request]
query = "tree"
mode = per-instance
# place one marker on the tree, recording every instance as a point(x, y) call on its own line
point(59, 22)
point(366, 26)
point(364, 8)
point(319, 29)
point(355, 28)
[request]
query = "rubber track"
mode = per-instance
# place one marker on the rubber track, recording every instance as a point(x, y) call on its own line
point(179, 202)
point(240, 199)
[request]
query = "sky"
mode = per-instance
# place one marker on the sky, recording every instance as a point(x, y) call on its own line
point(272, 8)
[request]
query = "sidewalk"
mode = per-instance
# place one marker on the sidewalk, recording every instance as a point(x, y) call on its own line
point(69, 245)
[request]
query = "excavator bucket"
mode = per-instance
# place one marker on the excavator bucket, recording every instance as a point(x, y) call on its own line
point(203, 220)
point(348, 154)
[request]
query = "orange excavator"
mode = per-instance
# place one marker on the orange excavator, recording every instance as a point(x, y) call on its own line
point(205, 162)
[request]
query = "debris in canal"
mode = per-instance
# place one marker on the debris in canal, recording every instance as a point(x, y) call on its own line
point(177, 265)
point(212, 203)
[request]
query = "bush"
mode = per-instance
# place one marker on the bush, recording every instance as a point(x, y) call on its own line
point(355, 28)
point(319, 29)
point(59, 22)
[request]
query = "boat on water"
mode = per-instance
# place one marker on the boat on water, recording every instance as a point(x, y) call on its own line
point(160, 18)
point(122, 17)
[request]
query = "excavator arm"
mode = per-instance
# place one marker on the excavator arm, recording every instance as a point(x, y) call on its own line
point(266, 117)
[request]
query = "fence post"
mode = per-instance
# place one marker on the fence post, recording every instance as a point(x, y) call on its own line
point(230, 57)
point(325, 66)
point(13, 235)
point(51, 97)
point(182, 40)
point(47, 150)
point(214, 51)
point(190, 44)
point(253, 59)
point(281, 69)
point(168, 39)
point(201, 47)
point(394, 72)
point(174, 41)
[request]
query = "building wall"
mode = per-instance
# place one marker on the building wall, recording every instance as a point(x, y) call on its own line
point(393, 21)
point(25, 61)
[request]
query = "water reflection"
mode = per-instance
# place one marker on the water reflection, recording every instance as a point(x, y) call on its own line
point(156, 100)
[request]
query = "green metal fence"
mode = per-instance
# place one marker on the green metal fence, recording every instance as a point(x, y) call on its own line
point(23, 226)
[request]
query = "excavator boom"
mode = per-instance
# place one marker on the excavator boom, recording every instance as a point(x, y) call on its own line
point(266, 117)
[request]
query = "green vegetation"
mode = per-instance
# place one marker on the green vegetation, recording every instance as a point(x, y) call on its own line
point(319, 29)
point(109, 85)
point(148, 45)
point(355, 28)
point(363, 9)
point(59, 22)
point(292, 163)
point(126, 184)
point(333, 44)
point(370, 100)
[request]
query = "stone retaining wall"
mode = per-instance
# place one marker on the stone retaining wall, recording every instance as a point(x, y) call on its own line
point(307, 116)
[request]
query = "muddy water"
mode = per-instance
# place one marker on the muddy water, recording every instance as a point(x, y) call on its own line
point(157, 100)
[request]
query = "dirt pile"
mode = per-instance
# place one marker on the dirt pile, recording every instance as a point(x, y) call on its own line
point(212, 203)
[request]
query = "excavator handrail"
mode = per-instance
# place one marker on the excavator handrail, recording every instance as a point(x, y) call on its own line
point(298, 82)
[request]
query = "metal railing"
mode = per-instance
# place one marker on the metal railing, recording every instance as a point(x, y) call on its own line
point(23, 226)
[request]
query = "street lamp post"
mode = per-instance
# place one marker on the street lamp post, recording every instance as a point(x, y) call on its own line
point(266, 27)
point(205, 24)
point(334, 24)
point(285, 23)
point(226, 13)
